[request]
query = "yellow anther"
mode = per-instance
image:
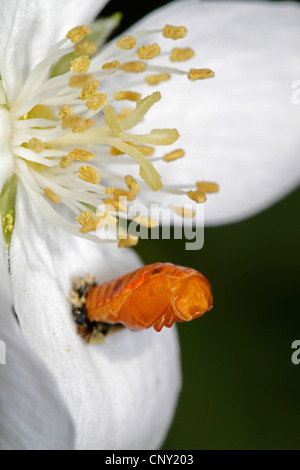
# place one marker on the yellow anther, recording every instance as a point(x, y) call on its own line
point(78, 33)
point(81, 155)
point(131, 183)
point(114, 64)
point(89, 227)
point(89, 89)
point(184, 212)
point(113, 205)
point(88, 123)
point(127, 95)
point(86, 48)
point(127, 43)
point(148, 52)
point(98, 222)
point(200, 74)
point(207, 187)
point(115, 152)
point(65, 111)
point(86, 217)
point(52, 196)
point(78, 81)
point(36, 145)
point(197, 196)
point(65, 162)
point(131, 240)
point(180, 55)
point(96, 101)
point(145, 221)
point(77, 123)
point(134, 67)
point(116, 192)
point(125, 112)
point(72, 121)
point(155, 79)
point(8, 222)
point(90, 223)
point(106, 220)
point(89, 174)
point(174, 32)
point(170, 157)
point(80, 64)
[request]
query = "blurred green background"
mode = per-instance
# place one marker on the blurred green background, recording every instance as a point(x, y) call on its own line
point(240, 389)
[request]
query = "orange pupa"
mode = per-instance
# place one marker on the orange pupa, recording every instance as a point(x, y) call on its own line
point(156, 295)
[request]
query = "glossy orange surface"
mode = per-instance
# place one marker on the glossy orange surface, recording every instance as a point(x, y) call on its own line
point(155, 295)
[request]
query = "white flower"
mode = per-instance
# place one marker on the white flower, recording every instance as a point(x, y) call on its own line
point(122, 394)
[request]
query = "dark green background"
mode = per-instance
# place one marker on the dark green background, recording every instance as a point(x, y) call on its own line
point(240, 390)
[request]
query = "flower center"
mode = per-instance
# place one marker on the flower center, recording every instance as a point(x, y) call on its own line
point(69, 132)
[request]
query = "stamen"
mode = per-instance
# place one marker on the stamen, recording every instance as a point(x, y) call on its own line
point(131, 240)
point(77, 123)
point(134, 66)
point(80, 64)
point(36, 145)
point(207, 187)
point(116, 192)
point(65, 162)
point(85, 218)
point(115, 152)
point(180, 55)
point(88, 123)
point(78, 81)
point(52, 196)
point(174, 32)
point(78, 33)
point(127, 43)
point(127, 95)
point(81, 155)
point(114, 205)
point(200, 74)
point(132, 185)
point(89, 226)
point(106, 220)
point(65, 111)
point(197, 196)
point(86, 48)
point(96, 101)
point(170, 157)
point(89, 89)
point(155, 79)
point(184, 212)
point(72, 121)
point(89, 174)
point(148, 52)
point(90, 223)
point(114, 64)
point(8, 222)
point(145, 221)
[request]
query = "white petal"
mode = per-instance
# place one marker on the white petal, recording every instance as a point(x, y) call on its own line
point(121, 394)
point(241, 128)
point(30, 27)
point(32, 414)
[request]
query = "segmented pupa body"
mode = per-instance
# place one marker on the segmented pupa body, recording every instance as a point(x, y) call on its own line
point(155, 295)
